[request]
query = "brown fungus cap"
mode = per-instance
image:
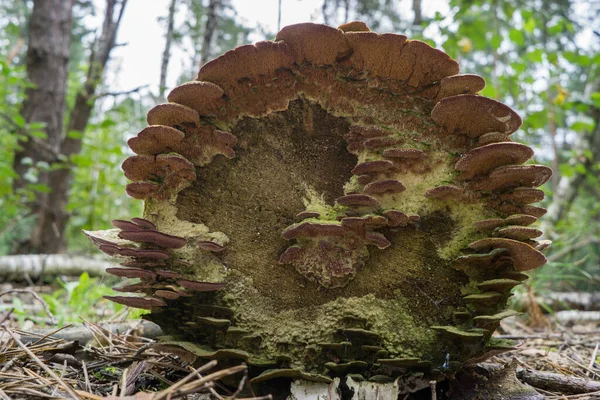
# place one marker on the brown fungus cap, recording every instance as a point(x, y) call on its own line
point(523, 195)
point(125, 225)
point(354, 26)
point(396, 218)
point(384, 186)
point(392, 56)
point(200, 286)
point(520, 219)
point(488, 224)
point(141, 168)
point(206, 143)
point(171, 171)
point(149, 255)
point(146, 303)
point(474, 116)
point(210, 246)
point(369, 167)
point(203, 97)
point(511, 176)
point(154, 237)
point(135, 288)
point(167, 294)
point(460, 84)
point(251, 60)
point(518, 232)
point(173, 115)
point(372, 52)
point(307, 214)
point(413, 154)
point(143, 223)
point(493, 137)
point(525, 257)
point(132, 273)
point(357, 200)
point(312, 229)
point(145, 189)
point(484, 159)
point(156, 139)
point(314, 43)
point(445, 192)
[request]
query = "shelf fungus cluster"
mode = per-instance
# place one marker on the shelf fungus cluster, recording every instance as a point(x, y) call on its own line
point(334, 202)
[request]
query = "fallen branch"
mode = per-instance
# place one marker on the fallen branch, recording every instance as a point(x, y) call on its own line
point(557, 382)
point(16, 268)
point(572, 316)
point(563, 300)
point(83, 335)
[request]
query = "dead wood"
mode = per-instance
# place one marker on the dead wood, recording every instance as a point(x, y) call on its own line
point(36, 266)
point(558, 382)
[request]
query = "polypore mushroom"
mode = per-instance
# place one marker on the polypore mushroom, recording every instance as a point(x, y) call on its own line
point(171, 172)
point(154, 237)
point(354, 26)
point(369, 167)
point(474, 116)
point(484, 159)
point(146, 303)
point(328, 127)
point(511, 176)
point(524, 256)
point(173, 115)
point(314, 43)
point(384, 186)
point(203, 97)
point(445, 192)
point(156, 139)
point(143, 223)
point(460, 84)
point(411, 154)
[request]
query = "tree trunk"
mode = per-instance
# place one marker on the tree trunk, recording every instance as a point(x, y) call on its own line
point(48, 235)
point(47, 68)
point(167, 52)
point(212, 17)
point(417, 10)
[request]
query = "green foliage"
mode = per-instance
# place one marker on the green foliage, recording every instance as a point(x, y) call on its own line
point(72, 301)
point(98, 194)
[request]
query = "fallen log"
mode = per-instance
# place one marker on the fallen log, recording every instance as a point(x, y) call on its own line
point(558, 301)
point(83, 334)
point(33, 266)
point(557, 382)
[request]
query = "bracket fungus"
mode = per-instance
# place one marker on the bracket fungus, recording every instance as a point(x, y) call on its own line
point(333, 202)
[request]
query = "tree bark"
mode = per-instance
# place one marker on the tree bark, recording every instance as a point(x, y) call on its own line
point(47, 68)
point(418, 14)
point(212, 17)
point(48, 235)
point(167, 52)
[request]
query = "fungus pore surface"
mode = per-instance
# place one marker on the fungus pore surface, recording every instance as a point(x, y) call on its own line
point(328, 208)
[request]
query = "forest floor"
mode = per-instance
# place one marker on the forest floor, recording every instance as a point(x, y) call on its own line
point(100, 361)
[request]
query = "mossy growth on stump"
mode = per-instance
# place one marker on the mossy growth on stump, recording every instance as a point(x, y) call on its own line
point(334, 202)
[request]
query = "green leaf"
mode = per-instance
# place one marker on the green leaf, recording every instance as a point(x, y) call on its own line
point(496, 41)
point(535, 55)
point(19, 120)
point(75, 134)
point(596, 99)
point(517, 37)
point(39, 187)
point(529, 25)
